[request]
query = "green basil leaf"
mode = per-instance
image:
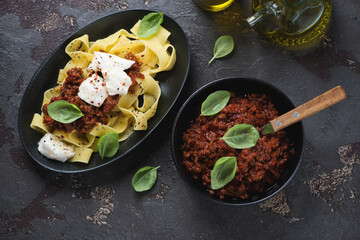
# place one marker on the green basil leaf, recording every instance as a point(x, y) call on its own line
point(241, 136)
point(223, 172)
point(223, 46)
point(144, 178)
point(150, 24)
point(215, 102)
point(63, 111)
point(108, 144)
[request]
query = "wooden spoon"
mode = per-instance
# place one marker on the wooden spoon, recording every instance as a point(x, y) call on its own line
point(305, 110)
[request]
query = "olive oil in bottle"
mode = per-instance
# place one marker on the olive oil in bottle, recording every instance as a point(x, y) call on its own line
point(294, 24)
point(213, 5)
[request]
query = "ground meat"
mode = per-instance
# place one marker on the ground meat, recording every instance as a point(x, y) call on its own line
point(134, 71)
point(258, 167)
point(92, 114)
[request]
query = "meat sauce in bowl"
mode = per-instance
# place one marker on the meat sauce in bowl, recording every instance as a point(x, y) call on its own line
point(257, 167)
point(276, 103)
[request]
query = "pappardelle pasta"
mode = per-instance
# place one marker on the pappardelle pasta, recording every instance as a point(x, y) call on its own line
point(121, 111)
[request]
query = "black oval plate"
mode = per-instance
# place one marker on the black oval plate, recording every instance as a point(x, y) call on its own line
point(171, 84)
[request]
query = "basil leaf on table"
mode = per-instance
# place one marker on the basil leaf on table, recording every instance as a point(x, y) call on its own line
point(223, 46)
point(215, 102)
point(144, 178)
point(241, 136)
point(223, 172)
point(108, 144)
point(150, 24)
point(64, 112)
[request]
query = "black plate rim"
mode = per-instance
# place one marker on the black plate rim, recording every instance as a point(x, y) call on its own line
point(190, 185)
point(149, 132)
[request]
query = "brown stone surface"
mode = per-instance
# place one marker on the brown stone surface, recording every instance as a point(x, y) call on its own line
point(321, 202)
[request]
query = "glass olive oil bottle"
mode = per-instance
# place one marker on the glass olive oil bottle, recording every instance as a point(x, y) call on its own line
point(213, 5)
point(294, 24)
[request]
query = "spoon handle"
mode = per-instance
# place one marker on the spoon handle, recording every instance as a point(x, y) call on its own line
point(307, 109)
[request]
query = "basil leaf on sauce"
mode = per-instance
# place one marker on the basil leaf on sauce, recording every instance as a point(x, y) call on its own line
point(223, 46)
point(150, 24)
point(64, 112)
point(241, 136)
point(215, 102)
point(108, 144)
point(223, 172)
point(144, 178)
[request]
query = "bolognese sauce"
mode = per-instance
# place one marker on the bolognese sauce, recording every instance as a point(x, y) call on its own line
point(257, 167)
point(92, 115)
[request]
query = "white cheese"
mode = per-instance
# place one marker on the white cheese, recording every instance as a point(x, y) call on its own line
point(52, 147)
point(103, 60)
point(93, 90)
point(112, 68)
point(117, 83)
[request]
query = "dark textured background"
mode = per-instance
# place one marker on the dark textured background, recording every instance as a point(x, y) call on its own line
point(322, 201)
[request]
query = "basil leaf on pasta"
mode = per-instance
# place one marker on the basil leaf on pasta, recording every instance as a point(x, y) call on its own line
point(150, 24)
point(108, 144)
point(223, 172)
point(64, 112)
point(144, 178)
point(215, 102)
point(241, 136)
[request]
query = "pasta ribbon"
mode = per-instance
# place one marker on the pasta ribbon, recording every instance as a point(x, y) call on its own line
point(37, 124)
point(159, 46)
point(81, 155)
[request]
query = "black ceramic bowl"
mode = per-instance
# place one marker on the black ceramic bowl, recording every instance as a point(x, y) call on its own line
point(191, 109)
